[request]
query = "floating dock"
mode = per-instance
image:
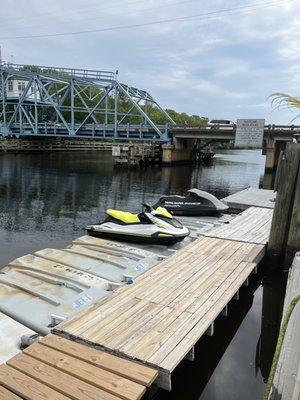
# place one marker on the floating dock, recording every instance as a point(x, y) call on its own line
point(58, 369)
point(251, 197)
point(251, 226)
point(158, 320)
point(154, 323)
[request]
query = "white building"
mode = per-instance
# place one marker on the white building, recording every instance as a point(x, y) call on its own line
point(15, 88)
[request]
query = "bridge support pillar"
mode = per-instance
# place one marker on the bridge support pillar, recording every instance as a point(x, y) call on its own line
point(269, 151)
point(181, 152)
point(272, 150)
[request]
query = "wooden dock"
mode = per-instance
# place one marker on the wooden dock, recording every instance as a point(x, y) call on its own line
point(251, 197)
point(59, 369)
point(139, 333)
point(251, 226)
point(158, 320)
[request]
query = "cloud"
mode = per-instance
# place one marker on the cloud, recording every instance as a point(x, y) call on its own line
point(225, 66)
point(232, 67)
point(211, 89)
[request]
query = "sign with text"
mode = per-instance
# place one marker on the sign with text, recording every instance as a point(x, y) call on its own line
point(249, 133)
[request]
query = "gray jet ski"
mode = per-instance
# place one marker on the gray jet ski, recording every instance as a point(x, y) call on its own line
point(196, 202)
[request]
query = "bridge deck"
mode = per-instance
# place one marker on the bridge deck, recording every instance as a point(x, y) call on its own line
point(57, 369)
point(158, 320)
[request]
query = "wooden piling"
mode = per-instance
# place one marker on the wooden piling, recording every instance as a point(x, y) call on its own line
point(286, 212)
point(293, 241)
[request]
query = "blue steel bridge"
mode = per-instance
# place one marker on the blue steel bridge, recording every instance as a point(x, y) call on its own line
point(45, 101)
point(42, 101)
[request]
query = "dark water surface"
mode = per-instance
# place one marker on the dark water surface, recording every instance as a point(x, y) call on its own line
point(46, 199)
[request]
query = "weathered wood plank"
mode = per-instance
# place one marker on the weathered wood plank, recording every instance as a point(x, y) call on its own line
point(128, 369)
point(213, 304)
point(251, 197)
point(252, 226)
point(26, 387)
point(293, 239)
point(284, 202)
point(6, 394)
point(57, 380)
point(158, 320)
point(286, 379)
point(88, 373)
point(173, 359)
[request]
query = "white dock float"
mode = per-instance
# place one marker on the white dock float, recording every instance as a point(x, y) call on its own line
point(251, 197)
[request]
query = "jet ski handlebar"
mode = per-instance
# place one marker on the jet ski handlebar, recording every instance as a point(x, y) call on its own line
point(147, 207)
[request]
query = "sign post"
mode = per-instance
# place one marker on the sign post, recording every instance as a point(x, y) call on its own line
point(249, 133)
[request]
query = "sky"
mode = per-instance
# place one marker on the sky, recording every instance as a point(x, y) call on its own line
point(222, 61)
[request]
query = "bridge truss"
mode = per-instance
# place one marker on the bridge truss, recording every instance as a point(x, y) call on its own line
point(76, 103)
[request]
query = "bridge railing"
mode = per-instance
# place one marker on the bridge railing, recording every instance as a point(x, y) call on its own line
point(76, 72)
point(273, 127)
point(127, 131)
point(226, 127)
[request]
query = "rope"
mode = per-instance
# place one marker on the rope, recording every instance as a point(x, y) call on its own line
point(281, 335)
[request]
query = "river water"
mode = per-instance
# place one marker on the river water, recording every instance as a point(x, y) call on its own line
point(47, 198)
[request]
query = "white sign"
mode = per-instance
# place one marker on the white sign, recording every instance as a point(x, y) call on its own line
point(249, 133)
point(115, 151)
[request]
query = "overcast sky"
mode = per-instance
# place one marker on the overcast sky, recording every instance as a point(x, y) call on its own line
point(222, 65)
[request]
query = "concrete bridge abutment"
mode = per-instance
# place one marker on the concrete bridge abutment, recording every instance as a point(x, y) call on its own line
point(179, 153)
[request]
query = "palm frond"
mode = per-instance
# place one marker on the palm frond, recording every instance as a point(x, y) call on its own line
point(284, 101)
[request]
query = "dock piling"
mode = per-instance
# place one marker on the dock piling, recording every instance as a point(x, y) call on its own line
point(285, 235)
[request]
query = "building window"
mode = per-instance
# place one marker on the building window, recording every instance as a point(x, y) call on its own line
point(10, 86)
point(21, 86)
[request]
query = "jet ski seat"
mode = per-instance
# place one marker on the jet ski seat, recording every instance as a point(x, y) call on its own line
point(124, 216)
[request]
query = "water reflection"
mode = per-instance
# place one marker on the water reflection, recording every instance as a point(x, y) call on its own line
point(46, 198)
point(274, 283)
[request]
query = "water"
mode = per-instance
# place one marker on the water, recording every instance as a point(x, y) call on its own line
point(46, 199)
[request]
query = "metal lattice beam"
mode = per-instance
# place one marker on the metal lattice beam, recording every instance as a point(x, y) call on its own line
point(74, 102)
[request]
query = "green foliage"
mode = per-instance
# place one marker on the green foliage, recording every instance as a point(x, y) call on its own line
point(179, 118)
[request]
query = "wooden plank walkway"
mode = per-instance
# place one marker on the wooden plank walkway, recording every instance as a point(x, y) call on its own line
point(158, 320)
point(251, 226)
point(251, 197)
point(58, 369)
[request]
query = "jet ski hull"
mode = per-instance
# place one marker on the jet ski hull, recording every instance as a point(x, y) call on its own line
point(196, 203)
point(153, 239)
point(150, 226)
point(189, 210)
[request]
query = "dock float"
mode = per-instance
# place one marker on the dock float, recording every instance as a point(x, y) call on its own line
point(158, 320)
point(59, 369)
point(251, 197)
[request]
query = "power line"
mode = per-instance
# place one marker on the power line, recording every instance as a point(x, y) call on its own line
point(131, 12)
point(208, 15)
point(85, 9)
point(53, 13)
